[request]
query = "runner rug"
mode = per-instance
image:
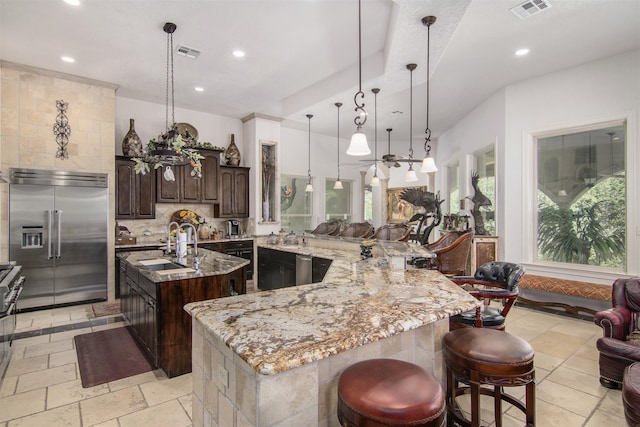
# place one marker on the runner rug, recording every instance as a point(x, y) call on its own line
point(109, 355)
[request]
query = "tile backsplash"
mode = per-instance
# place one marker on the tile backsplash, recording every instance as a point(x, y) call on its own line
point(164, 211)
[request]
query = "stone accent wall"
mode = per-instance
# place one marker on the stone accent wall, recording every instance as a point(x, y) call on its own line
point(28, 113)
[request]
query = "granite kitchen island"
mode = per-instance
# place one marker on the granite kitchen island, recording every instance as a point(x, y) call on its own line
point(273, 358)
point(154, 288)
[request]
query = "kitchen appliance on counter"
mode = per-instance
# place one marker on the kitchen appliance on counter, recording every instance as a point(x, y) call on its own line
point(11, 285)
point(233, 228)
point(58, 234)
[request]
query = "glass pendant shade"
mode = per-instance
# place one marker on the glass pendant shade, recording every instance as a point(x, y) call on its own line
point(428, 165)
point(338, 185)
point(309, 188)
point(358, 145)
point(410, 176)
point(375, 181)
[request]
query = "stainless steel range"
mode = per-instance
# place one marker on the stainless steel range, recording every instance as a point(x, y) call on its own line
point(11, 285)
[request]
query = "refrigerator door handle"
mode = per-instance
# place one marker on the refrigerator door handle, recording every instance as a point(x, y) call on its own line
point(59, 236)
point(49, 235)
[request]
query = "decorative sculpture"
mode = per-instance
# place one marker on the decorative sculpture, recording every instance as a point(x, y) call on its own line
point(62, 130)
point(428, 205)
point(287, 195)
point(479, 200)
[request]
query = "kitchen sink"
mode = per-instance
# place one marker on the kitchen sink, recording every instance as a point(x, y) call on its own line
point(165, 266)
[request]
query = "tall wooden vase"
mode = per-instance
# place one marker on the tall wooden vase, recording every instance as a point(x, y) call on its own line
point(232, 154)
point(131, 143)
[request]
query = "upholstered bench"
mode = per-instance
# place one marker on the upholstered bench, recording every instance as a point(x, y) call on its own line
point(570, 295)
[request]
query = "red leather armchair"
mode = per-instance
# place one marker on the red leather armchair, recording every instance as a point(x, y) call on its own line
point(616, 353)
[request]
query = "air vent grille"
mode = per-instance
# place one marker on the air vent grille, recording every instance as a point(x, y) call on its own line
point(530, 8)
point(189, 52)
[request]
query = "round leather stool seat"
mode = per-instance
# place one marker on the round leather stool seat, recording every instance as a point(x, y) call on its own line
point(481, 356)
point(631, 394)
point(387, 392)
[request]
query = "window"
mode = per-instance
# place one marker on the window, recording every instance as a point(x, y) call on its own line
point(296, 205)
point(581, 196)
point(486, 164)
point(338, 202)
point(368, 204)
point(453, 187)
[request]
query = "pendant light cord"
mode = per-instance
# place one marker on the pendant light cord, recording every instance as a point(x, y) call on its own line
point(338, 104)
point(360, 118)
point(309, 116)
point(428, 21)
point(375, 130)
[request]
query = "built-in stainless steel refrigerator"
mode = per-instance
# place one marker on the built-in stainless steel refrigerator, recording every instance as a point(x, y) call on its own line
point(58, 234)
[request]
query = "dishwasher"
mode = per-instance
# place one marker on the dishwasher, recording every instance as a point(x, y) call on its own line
point(303, 269)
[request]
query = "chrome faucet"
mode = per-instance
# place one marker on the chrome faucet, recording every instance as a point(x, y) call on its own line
point(195, 238)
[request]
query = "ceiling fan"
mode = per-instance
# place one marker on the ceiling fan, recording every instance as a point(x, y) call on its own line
point(389, 160)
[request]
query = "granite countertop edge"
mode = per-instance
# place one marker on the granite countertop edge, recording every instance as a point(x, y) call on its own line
point(357, 303)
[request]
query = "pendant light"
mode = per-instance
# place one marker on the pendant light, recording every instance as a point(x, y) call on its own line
point(338, 184)
point(358, 145)
point(411, 174)
point(169, 149)
point(309, 187)
point(428, 164)
point(375, 181)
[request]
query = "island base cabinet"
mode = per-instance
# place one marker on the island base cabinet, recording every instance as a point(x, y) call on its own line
point(155, 316)
point(302, 396)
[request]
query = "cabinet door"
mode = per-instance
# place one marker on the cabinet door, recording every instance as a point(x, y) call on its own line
point(168, 191)
point(226, 196)
point(145, 196)
point(125, 182)
point(242, 193)
point(149, 327)
point(319, 267)
point(191, 186)
point(210, 173)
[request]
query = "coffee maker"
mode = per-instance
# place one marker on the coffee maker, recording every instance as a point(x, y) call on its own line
point(233, 228)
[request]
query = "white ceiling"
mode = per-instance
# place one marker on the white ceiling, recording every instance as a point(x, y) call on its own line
point(302, 54)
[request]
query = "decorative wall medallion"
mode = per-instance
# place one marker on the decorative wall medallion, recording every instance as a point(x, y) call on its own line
point(62, 130)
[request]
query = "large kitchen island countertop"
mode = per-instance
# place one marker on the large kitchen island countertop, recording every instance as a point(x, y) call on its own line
point(358, 302)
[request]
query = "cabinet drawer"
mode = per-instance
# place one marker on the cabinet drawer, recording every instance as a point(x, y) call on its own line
point(242, 244)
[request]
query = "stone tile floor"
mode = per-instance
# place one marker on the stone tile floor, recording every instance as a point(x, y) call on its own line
point(42, 384)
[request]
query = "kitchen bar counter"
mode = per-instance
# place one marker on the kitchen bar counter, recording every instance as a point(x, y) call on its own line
point(286, 348)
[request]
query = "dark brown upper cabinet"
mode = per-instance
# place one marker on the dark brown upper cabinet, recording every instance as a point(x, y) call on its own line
point(234, 193)
point(135, 193)
point(187, 188)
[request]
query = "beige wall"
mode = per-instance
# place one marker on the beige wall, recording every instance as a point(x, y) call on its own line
point(28, 113)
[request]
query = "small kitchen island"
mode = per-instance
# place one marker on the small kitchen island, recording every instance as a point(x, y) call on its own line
point(154, 288)
point(273, 358)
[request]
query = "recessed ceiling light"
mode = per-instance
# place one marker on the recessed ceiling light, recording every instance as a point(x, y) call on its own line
point(522, 52)
point(67, 59)
point(238, 53)
point(198, 89)
point(72, 2)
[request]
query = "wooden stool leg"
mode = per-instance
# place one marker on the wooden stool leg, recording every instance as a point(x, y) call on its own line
point(530, 390)
point(497, 405)
point(475, 403)
point(451, 396)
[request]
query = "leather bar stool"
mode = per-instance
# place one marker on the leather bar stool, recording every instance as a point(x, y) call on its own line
point(388, 392)
point(481, 356)
point(631, 394)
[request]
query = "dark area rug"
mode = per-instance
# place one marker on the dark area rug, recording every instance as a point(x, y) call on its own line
point(110, 355)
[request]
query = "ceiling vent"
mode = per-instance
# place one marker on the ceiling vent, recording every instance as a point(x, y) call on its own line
point(189, 52)
point(530, 8)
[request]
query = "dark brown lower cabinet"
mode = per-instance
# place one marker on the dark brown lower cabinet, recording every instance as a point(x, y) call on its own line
point(239, 248)
point(156, 318)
